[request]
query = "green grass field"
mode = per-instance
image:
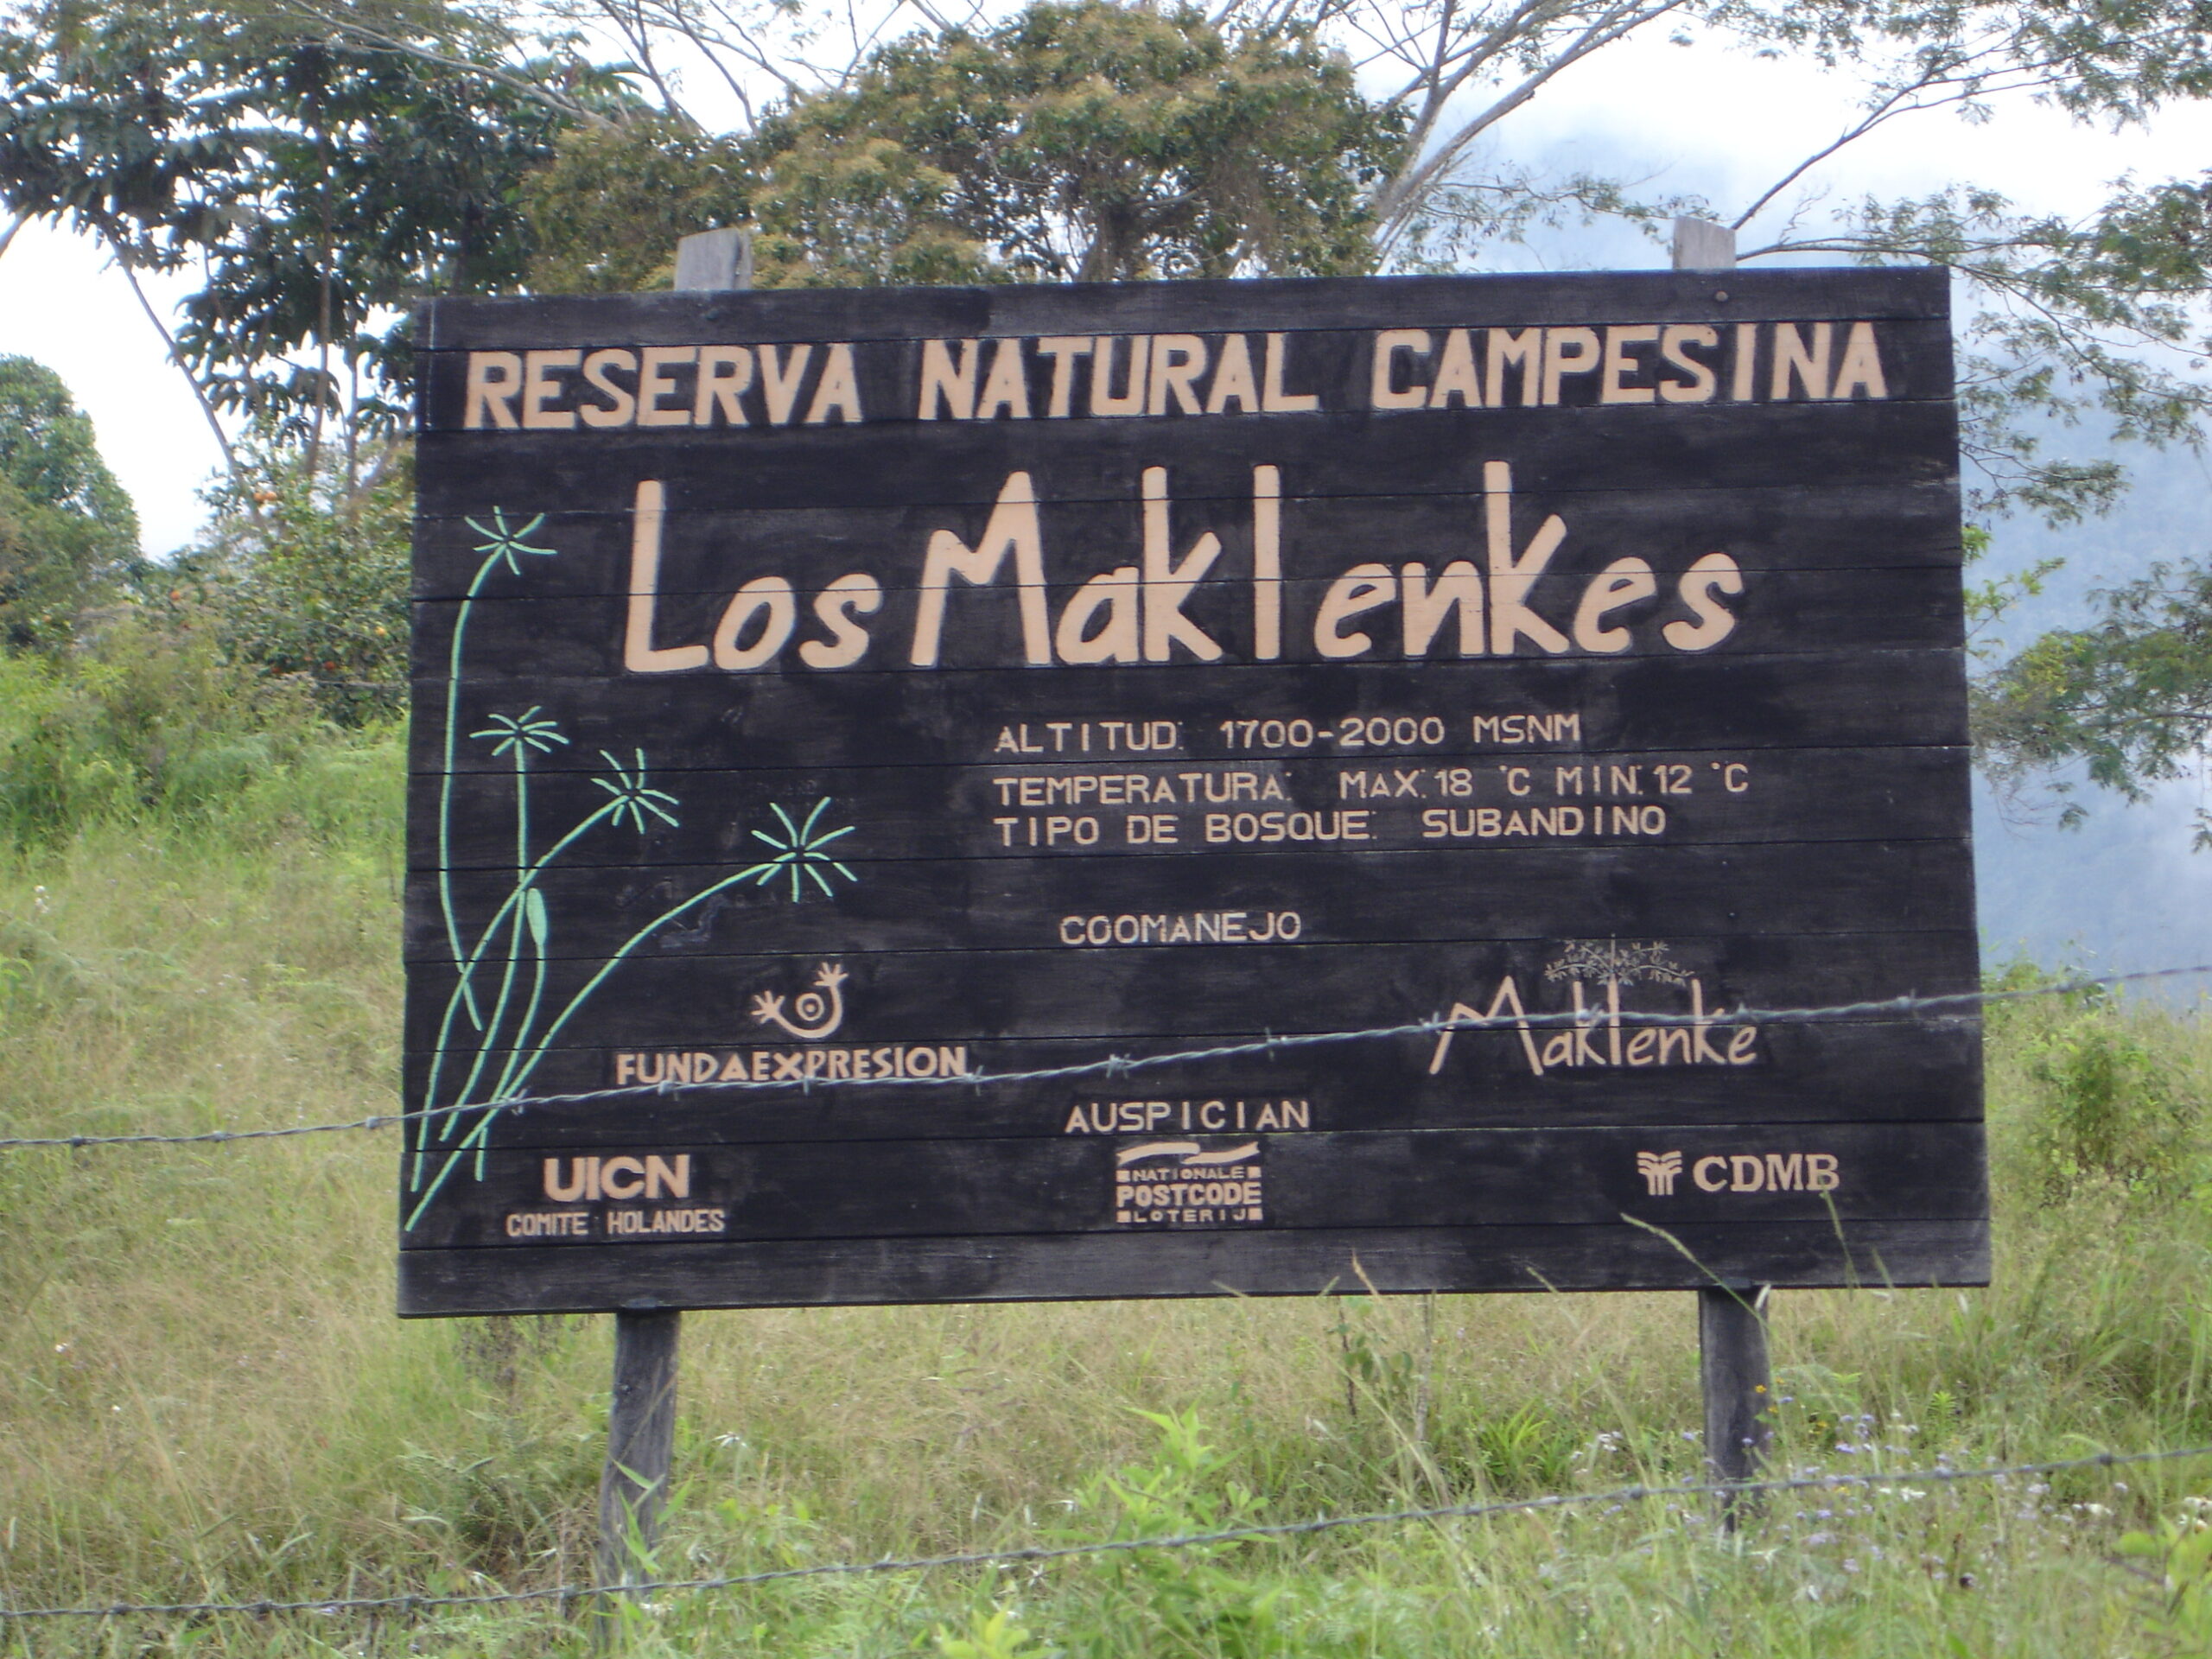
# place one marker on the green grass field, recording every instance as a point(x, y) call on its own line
point(205, 1395)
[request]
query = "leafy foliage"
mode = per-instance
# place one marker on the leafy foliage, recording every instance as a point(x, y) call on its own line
point(606, 213)
point(2180, 1554)
point(66, 527)
point(51, 563)
point(2107, 1108)
point(48, 452)
point(1198, 1599)
point(2110, 1112)
point(1085, 141)
point(149, 721)
point(2131, 696)
point(303, 573)
point(2075, 318)
point(316, 180)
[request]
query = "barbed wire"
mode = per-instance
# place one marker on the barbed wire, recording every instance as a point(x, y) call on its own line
point(1035, 1553)
point(1122, 1065)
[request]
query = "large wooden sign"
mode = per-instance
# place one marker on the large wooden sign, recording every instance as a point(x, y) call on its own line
point(860, 696)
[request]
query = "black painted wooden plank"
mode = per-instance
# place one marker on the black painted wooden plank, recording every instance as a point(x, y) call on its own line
point(457, 324)
point(1335, 366)
point(1823, 700)
point(678, 998)
point(1340, 897)
point(1583, 1176)
point(1792, 527)
point(1893, 1070)
point(711, 554)
point(1776, 614)
point(919, 811)
point(1738, 446)
point(1546, 1259)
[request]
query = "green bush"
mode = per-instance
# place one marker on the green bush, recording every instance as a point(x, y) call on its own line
point(2109, 1109)
point(153, 723)
point(2107, 1094)
point(306, 573)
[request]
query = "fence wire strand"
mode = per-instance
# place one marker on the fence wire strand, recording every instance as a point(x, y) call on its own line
point(1036, 1553)
point(1122, 1065)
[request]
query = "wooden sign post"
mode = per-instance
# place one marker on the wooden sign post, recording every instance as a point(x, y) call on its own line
point(641, 1411)
point(846, 721)
point(1734, 1375)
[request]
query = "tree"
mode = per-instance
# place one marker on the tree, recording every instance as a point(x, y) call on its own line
point(1090, 142)
point(330, 161)
point(67, 528)
point(603, 215)
point(1085, 141)
point(305, 573)
point(869, 178)
point(2099, 316)
point(319, 179)
point(2129, 698)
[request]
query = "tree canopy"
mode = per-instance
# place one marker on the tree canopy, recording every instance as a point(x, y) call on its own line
point(323, 165)
point(314, 180)
point(67, 526)
point(1088, 142)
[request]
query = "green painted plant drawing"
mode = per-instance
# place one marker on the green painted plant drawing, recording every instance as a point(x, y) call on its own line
point(501, 1018)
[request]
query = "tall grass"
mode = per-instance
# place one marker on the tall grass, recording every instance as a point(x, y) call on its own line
point(205, 1395)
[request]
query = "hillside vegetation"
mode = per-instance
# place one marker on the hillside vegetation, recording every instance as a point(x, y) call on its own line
point(206, 1396)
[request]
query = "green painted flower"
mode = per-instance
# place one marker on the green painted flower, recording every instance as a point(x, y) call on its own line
point(632, 798)
point(799, 851)
point(523, 731)
point(505, 540)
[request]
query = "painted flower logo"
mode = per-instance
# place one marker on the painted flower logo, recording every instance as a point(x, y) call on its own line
point(505, 542)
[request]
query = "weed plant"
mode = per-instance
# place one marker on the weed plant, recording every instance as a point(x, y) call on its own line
point(206, 1395)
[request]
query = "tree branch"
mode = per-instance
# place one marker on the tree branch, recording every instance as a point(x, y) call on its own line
point(345, 27)
point(1401, 198)
point(1902, 100)
point(122, 255)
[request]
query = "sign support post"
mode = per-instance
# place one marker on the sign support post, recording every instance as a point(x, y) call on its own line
point(1733, 1371)
point(1734, 1376)
point(640, 1442)
point(641, 1420)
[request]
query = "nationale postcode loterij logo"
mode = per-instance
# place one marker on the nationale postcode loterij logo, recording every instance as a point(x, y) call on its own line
point(1188, 1184)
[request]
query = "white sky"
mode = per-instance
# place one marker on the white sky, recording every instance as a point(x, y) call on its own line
point(1703, 120)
